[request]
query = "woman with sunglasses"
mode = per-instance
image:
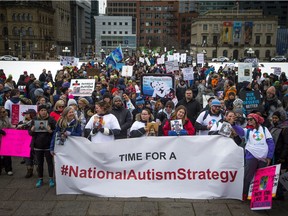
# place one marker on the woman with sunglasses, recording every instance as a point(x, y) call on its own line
point(259, 148)
point(58, 109)
point(179, 124)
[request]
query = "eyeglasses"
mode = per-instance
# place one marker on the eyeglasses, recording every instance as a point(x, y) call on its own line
point(218, 107)
point(250, 119)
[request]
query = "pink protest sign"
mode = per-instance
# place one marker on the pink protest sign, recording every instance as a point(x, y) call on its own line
point(15, 143)
point(262, 188)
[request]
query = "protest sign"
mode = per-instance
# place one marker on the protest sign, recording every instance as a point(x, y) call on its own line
point(277, 70)
point(202, 167)
point(263, 187)
point(251, 100)
point(127, 71)
point(148, 61)
point(158, 86)
point(161, 60)
point(18, 110)
point(244, 72)
point(142, 60)
point(15, 143)
point(188, 73)
point(176, 57)
point(69, 61)
point(200, 58)
point(170, 58)
point(82, 87)
point(183, 57)
point(171, 66)
point(91, 72)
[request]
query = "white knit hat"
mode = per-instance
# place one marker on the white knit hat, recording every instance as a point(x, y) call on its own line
point(72, 102)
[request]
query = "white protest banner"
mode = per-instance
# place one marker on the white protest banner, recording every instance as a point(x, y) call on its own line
point(284, 180)
point(82, 87)
point(148, 61)
point(277, 70)
point(171, 66)
point(200, 58)
point(142, 60)
point(244, 72)
point(183, 57)
point(188, 73)
point(161, 60)
point(127, 71)
point(198, 167)
point(176, 56)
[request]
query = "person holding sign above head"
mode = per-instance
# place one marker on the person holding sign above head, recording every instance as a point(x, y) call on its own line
point(103, 126)
point(179, 124)
point(139, 127)
point(259, 149)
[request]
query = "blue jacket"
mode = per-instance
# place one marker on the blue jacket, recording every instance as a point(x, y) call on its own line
point(74, 128)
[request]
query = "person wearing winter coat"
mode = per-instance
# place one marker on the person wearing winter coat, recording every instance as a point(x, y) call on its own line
point(259, 148)
point(41, 144)
point(180, 113)
point(123, 116)
point(279, 131)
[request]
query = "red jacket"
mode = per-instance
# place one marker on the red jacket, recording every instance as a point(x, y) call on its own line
point(188, 126)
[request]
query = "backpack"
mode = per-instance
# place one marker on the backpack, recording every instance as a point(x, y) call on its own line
point(206, 114)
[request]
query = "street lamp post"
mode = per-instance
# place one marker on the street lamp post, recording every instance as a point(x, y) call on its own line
point(66, 50)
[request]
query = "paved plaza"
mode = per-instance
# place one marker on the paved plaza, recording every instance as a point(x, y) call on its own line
point(19, 196)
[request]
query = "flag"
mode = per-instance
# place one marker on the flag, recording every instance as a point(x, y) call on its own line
point(117, 54)
point(110, 61)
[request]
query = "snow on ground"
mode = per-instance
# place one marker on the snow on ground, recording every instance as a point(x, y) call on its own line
point(16, 68)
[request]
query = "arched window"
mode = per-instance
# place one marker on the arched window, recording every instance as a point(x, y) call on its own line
point(235, 54)
point(18, 17)
point(257, 53)
point(14, 17)
point(23, 17)
point(267, 54)
point(30, 31)
point(15, 31)
point(30, 18)
point(225, 53)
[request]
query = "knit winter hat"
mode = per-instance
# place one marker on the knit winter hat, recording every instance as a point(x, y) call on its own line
point(72, 102)
point(42, 106)
point(271, 90)
point(278, 114)
point(38, 92)
point(117, 98)
point(256, 117)
point(139, 101)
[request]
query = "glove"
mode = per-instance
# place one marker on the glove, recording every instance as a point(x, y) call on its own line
point(94, 131)
point(2, 132)
point(105, 131)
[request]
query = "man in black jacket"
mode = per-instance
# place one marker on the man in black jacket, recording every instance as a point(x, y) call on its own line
point(193, 107)
point(123, 116)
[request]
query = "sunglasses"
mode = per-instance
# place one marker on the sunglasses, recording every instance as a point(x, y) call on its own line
point(250, 119)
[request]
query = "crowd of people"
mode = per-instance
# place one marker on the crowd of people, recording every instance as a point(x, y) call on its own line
point(117, 110)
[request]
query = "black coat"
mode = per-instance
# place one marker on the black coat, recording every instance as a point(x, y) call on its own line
point(124, 118)
point(193, 108)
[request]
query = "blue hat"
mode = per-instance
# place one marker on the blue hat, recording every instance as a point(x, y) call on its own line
point(215, 102)
point(139, 101)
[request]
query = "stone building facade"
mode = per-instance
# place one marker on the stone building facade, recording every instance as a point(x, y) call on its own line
point(233, 34)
